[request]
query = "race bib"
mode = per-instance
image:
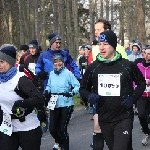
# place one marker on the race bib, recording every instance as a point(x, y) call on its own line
point(31, 67)
point(83, 71)
point(6, 126)
point(109, 84)
point(52, 102)
point(147, 88)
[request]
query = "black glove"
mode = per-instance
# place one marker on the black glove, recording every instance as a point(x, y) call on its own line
point(47, 97)
point(128, 102)
point(93, 98)
point(1, 116)
point(16, 108)
point(42, 75)
point(20, 103)
point(41, 114)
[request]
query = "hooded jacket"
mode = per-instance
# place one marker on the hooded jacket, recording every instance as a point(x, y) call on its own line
point(112, 110)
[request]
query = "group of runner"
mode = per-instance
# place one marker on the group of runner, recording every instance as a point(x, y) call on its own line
point(111, 81)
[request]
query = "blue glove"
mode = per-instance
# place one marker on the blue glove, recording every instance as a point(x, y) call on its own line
point(128, 102)
point(93, 98)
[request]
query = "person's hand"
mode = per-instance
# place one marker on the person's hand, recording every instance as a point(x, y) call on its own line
point(128, 102)
point(20, 103)
point(47, 97)
point(42, 75)
point(93, 98)
point(16, 107)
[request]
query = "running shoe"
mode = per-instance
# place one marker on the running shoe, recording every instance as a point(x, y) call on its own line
point(145, 140)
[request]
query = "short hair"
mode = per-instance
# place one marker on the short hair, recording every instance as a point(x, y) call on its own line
point(107, 25)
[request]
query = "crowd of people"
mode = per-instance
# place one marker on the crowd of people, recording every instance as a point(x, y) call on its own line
point(113, 83)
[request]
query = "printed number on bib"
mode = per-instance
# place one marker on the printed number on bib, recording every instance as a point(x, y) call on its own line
point(52, 102)
point(109, 84)
point(6, 126)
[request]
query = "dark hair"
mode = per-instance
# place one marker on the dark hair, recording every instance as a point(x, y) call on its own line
point(106, 23)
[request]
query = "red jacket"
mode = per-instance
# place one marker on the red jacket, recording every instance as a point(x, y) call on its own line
point(90, 58)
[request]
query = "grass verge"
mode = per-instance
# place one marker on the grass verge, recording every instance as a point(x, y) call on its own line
point(76, 101)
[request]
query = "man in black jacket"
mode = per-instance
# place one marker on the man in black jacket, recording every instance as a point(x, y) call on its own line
point(111, 79)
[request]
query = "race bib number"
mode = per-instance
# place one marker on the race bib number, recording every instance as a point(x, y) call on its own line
point(109, 84)
point(6, 126)
point(83, 71)
point(147, 88)
point(31, 67)
point(52, 102)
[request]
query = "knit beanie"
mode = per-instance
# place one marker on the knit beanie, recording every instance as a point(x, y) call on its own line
point(58, 56)
point(53, 37)
point(89, 47)
point(33, 44)
point(108, 36)
point(82, 47)
point(24, 47)
point(8, 54)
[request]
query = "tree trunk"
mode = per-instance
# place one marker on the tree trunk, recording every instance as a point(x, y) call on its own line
point(101, 8)
point(5, 26)
point(91, 9)
point(107, 9)
point(20, 22)
point(75, 22)
point(55, 12)
point(121, 19)
point(141, 22)
point(36, 21)
point(68, 27)
point(112, 14)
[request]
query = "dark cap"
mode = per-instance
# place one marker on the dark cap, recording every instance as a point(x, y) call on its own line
point(95, 42)
point(108, 36)
point(8, 54)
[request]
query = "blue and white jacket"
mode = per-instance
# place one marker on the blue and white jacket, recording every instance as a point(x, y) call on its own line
point(45, 63)
point(64, 82)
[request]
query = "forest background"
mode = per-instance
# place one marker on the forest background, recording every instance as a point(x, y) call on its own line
point(73, 20)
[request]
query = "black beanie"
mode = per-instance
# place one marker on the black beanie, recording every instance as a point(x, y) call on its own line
point(53, 37)
point(33, 44)
point(24, 47)
point(8, 54)
point(108, 36)
point(95, 42)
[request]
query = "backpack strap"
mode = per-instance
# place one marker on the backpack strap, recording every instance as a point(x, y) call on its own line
point(25, 58)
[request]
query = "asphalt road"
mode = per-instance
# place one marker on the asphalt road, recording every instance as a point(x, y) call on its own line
point(80, 130)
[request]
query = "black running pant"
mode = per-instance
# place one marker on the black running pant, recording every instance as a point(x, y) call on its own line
point(27, 140)
point(143, 110)
point(59, 119)
point(118, 135)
